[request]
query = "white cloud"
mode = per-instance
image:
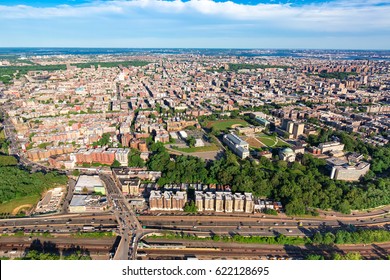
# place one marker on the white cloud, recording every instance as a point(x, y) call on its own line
point(342, 15)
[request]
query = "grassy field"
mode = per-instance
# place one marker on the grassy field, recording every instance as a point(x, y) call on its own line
point(271, 141)
point(225, 124)
point(210, 148)
point(9, 206)
point(2, 136)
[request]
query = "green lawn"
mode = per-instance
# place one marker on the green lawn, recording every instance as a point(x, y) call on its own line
point(268, 140)
point(210, 148)
point(225, 124)
point(7, 207)
point(271, 141)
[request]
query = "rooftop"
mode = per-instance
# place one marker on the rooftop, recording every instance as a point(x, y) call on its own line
point(235, 139)
point(89, 181)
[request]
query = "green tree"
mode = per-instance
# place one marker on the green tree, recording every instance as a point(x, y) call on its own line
point(295, 207)
point(191, 141)
point(134, 159)
point(8, 161)
point(103, 141)
point(315, 257)
point(344, 207)
point(17, 183)
point(190, 207)
point(328, 239)
point(116, 164)
point(317, 238)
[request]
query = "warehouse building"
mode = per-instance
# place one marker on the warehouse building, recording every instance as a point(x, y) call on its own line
point(89, 184)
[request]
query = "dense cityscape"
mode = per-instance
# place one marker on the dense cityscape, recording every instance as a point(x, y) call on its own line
point(194, 154)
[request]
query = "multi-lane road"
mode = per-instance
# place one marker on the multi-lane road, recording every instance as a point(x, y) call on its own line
point(130, 228)
point(68, 223)
point(260, 224)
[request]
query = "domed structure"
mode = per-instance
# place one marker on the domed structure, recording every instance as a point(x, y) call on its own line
point(288, 151)
point(287, 154)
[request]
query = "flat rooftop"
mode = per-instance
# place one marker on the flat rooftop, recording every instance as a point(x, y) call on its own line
point(89, 181)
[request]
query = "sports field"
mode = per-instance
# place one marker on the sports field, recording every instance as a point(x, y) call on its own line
point(225, 124)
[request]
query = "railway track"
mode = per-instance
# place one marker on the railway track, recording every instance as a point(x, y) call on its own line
point(23, 243)
point(373, 251)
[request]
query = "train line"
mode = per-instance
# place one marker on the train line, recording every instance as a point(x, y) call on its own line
point(261, 251)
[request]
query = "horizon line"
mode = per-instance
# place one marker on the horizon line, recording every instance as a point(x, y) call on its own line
point(200, 48)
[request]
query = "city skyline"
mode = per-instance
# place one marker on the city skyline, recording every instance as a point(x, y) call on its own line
point(197, 24)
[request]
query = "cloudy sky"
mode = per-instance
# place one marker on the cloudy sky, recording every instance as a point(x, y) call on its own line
point(337, 24)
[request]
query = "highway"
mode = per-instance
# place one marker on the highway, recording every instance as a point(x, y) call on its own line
point(68, 223)
point(257, 224)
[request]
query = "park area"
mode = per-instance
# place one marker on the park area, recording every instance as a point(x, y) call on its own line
point(268, 140)
point(225, 124)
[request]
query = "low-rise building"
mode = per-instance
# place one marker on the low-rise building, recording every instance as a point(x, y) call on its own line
point(331, 146)
point(237, 145)
point(89, 184)
point(347, 171)
point(287, 154)
point(87, 203)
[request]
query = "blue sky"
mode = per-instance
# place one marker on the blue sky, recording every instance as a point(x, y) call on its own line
point(335, 24)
